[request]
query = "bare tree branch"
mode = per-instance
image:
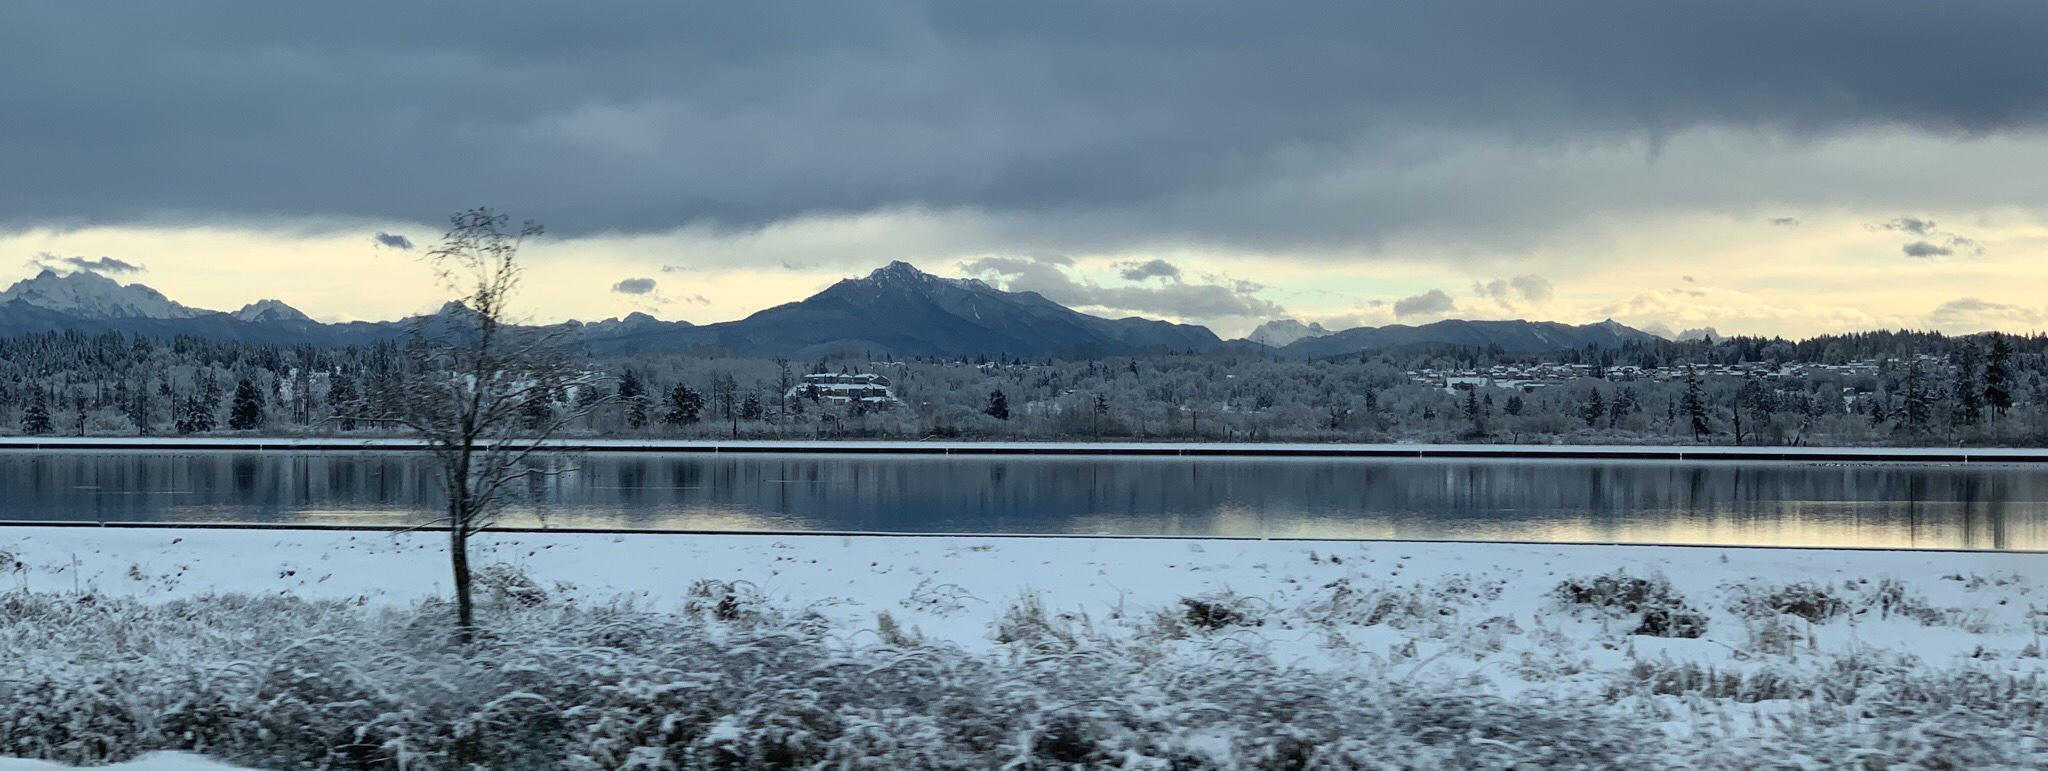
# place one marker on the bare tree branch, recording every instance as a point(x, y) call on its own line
point(472, 374)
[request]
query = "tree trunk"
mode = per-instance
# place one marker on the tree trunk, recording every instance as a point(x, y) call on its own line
point(458, 558)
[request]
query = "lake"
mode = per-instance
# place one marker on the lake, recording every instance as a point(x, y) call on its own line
point(1902, 505)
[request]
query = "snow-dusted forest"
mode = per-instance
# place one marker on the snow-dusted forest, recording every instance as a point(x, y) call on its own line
point(1865, 389)
point(303, 649)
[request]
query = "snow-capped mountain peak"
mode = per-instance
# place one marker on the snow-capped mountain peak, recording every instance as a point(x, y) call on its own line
point(270, 311)
point(1279, 332)
point(903, 276)
point(89, 295)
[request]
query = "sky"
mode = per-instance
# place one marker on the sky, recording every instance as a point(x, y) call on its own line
point(1755, 167)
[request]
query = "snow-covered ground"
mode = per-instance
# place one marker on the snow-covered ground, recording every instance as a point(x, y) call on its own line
point(1152, 652)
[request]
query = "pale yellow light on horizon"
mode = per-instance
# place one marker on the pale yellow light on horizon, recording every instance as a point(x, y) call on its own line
point(1832, 273)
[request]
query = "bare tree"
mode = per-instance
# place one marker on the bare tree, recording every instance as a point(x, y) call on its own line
point(473, 375)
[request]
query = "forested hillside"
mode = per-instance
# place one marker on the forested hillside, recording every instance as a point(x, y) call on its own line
point(1872, 388)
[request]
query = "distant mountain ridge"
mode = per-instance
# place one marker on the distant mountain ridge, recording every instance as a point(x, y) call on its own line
point(87, 295)
point(1513, 337)
point(903, 311)
point(895, 310)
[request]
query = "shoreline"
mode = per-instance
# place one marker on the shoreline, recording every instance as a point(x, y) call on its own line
point(1680, 453)
point(7, 525)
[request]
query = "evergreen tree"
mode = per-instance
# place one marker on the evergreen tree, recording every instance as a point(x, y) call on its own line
point(342, 401)
point(195, 415)
point(998, 405)
point(141, 410)
point(1919, 407)
point(1756, 396)
point(1695, 405)
point(1475, 413)
point(1514, 405)
point(1997, 375)
point(633, 397)
point(685, 406)
point(539, 409)
point(1877, 413)
point(1968, 406)
point(35, 418)
point(247, 413)
point(750, 409)
point(1595, 409)
point(1620, 406)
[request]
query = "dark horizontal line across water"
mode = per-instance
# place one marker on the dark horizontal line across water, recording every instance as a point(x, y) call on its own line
point(302, 527)
point(1526, 452)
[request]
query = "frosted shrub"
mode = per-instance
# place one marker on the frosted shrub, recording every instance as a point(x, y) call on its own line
point(277, 682)
point(1813, 602)
point(1223, 610)
point(1658, 610)
point(1026, 621)
point(1431, 609)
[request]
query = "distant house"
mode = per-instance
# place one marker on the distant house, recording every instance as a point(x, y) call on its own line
point(868, 389)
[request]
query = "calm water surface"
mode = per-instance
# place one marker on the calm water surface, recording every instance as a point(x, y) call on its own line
point(1836, 504)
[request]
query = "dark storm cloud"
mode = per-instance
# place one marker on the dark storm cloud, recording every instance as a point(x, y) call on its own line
point(393, 241)
point(634, 286)
point(1432, 302)
point(102, 266)
point(1139, 271)
point(1205, 119)
point(1227, 298)
point(1785, 222)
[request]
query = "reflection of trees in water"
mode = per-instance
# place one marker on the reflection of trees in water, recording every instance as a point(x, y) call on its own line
point(1989, 507)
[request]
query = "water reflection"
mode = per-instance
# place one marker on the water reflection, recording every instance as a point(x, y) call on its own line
point(1924, 506)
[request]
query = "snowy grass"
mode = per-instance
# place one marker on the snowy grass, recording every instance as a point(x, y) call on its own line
point(319, 650)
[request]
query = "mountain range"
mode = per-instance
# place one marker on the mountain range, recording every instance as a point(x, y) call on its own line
point(896, 310)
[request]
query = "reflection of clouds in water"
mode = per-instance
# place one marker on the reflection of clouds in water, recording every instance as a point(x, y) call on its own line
point(1906, 525)
point(694, 518)
point(1639, 501)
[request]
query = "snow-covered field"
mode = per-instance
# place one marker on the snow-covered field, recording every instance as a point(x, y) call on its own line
point(672, 651)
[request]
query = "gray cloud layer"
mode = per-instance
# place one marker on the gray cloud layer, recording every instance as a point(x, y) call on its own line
point(1155, 268)
point(1925, 249)
point(634, 286)
point(103, 265)
point(393, 240)
point(1928, 229)
point(1507, 292)
point(1972, 311)
point(1203, 119)
point(1044, 275)
point(1432, 302)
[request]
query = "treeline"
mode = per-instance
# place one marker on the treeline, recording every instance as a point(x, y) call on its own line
point(1925, 388)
